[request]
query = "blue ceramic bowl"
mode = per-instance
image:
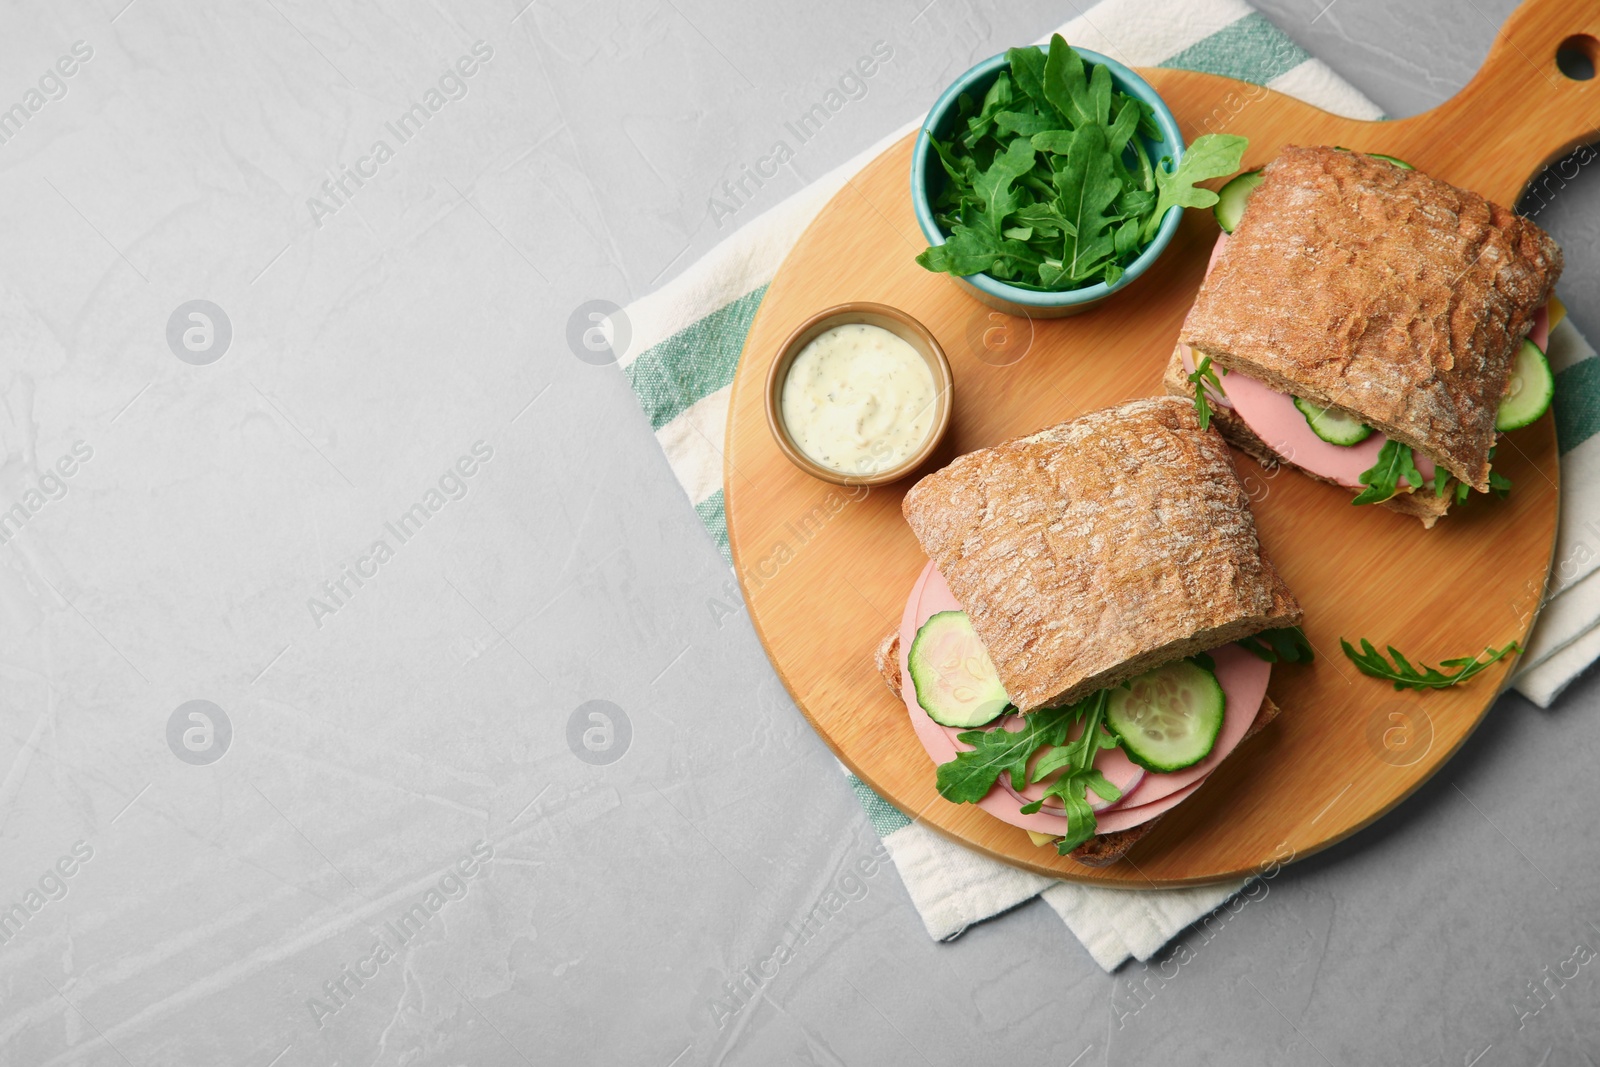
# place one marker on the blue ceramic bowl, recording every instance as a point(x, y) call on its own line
point(927, 176)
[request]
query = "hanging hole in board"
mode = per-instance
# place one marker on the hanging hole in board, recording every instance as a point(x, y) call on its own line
point(1576, 57)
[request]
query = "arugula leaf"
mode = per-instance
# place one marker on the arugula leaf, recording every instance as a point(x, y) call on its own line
point(1027, 67)
point(1200, 378)
point(1045, 218)
point(1499, 484)
point(1099, 93)
point(1058, 142)
point(968, 778)
point(1382, 479)
point(996, 100)
point(1212, 155)
point(1441, 481)
point(1085, 187)
point(994, 187)
point(1049, 183)
point(1026, 123)
point(1370, 661)
point(1066, 86)
point(1127, 123)
point(1284, 645)
point(1076, 761)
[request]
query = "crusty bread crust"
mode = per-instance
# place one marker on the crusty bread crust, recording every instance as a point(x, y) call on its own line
point(1381, 292)
point(1102, 849)
point(1427, 506)
point(888, 661)
point(1099, 549)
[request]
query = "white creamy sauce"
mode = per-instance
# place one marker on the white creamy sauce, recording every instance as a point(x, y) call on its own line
point(859, 399)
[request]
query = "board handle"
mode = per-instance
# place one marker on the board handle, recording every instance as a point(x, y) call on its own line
point(1521, 104)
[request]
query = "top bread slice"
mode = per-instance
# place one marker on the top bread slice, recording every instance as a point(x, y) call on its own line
point(1381, 292)
point(1099, 549)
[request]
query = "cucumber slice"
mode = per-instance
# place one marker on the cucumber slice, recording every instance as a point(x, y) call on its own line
point(1402, 164)
point(1532, 386)
point(955, 679)
point(1334, 427)
point(1232, 198)
point(1169, 718)
point(1379, 155)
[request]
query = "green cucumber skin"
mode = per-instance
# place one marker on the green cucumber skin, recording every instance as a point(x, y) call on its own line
point(1133, 748)
point(920, 683)
point(1538, 389)
point(1316, 420)
point(1402, 164)
point(1232, 198)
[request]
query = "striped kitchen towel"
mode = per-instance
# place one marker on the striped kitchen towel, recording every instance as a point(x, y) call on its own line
point(686, 337)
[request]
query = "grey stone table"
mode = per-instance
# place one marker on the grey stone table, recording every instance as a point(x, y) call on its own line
point(399, 857)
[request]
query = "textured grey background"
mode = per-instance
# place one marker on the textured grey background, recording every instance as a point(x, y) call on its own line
point(431, 711)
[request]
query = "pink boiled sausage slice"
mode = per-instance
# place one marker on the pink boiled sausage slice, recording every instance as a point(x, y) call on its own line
point(1243, 687)
point(930, 597)
point(1275, 419)
point(1126, 818)
point(1243, 677)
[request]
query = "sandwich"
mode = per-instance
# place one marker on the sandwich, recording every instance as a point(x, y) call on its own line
point(1095, 628)
point(1373, 326)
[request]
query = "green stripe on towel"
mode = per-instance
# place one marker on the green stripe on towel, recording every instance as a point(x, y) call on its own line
point(1251, 50)
point(713, 514)
point(1577, 404)
point(885, 817)
point(693, 363)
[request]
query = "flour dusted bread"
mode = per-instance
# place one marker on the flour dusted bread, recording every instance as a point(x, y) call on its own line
point(1381, 292)
point(1099, 549)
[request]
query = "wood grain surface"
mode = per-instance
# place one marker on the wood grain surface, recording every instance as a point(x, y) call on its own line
point(826, 570)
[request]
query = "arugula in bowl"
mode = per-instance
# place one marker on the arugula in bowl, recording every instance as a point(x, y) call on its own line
point(1051, 181)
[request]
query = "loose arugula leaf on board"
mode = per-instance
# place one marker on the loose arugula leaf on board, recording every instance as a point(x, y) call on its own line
point(1202, 377)
point(1286, 644)
point(1212, 155)
point(1370, 661)
point(1382, 479)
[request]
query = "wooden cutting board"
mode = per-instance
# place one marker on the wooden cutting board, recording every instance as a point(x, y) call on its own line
point(826, 571)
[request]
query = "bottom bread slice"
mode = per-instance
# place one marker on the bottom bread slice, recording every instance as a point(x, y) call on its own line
point(1426, 506)
point(1101, 850)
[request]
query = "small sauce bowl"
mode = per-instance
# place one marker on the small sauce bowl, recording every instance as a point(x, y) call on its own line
point(901, 325)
